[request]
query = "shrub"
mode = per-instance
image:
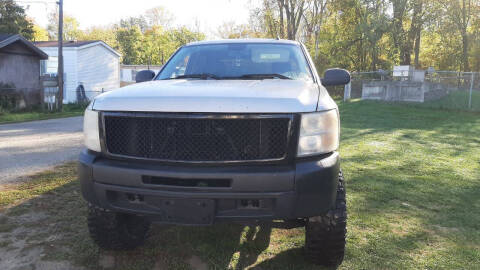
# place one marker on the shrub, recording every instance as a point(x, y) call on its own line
point(9, 97)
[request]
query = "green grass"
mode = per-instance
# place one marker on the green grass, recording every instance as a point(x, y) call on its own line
point(457, 100)
point(413, 182)
point(69, 110)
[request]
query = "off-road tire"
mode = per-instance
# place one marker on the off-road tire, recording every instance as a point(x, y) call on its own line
point(116, 231)
point(325, 236)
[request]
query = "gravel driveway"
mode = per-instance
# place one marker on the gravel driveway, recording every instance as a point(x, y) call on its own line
point(31, 147)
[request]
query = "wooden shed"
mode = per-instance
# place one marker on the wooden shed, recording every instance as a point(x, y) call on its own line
point(20, 69)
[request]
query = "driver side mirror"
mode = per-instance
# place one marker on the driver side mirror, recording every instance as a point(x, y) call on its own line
point(144, 76)
point(336, 76)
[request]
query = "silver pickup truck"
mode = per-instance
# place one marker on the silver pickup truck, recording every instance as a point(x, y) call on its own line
point(227, 131)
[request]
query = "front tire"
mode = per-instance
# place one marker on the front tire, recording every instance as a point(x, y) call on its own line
point(116, 231)
point(325, 236)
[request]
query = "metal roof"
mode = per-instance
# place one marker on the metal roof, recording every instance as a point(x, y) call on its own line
point(65, 43)
point(75, 44)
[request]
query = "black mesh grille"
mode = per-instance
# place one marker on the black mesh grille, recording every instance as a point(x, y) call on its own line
point(197, 139)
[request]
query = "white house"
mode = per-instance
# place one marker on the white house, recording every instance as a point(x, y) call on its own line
point(93, 64)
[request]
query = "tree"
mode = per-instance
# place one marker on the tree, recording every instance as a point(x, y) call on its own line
point(314, 16)
point(14, 21)
point(265, 19)
point(130, 44)
point(281, 18)
point(475, 38)
point(140, 22)
point(39, 33)
point(182, 35)
point(461, 13)
point(415, 34)
point(400, 9)
point(159, 16)
point(294, 10)
point(71, 30)
point(103, 33)
point(232, 30)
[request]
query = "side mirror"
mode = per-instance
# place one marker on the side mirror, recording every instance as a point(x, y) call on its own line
point(336, 76)
point(144, 76)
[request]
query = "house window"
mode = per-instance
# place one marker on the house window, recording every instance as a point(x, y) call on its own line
point(49, 66)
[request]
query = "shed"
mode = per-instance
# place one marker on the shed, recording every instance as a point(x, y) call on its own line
point(92, 64)
point(20, 69)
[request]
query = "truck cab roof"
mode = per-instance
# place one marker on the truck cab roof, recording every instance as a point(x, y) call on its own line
point(247, 40)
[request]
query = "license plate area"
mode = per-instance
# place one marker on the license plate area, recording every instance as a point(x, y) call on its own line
point(188, 211)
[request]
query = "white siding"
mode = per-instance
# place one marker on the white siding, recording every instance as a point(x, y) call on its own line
point(98, 68)
point(70, 70)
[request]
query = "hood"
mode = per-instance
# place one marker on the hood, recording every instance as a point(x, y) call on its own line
point(213, 96)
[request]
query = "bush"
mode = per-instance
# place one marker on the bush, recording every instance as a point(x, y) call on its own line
point(9, 97)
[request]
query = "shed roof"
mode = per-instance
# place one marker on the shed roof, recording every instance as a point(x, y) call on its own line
point(7, 39)
point(5, 36)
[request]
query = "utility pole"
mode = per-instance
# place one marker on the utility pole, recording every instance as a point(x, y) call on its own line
point(60, 55)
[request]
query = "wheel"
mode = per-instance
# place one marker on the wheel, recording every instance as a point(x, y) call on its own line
point(116, 231)
point(325, 236)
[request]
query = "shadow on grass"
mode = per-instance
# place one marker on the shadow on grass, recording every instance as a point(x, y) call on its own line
point(53, 228)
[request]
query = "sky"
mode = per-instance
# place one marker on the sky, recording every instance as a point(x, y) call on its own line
point(209, 13)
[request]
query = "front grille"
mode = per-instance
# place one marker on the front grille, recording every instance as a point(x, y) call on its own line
point(196, 139)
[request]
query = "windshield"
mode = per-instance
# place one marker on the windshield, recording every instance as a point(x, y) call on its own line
point(238, 61)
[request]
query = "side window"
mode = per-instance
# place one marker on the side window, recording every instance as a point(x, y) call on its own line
point(49, 66)
point(43, 67)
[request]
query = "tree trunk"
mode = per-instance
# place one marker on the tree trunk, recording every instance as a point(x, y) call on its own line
point(417, 49)
point(399, 9)
point(397, 25)
point(414, 35)
point(465, 43)
point(281, 23)
point(294, 11)
point(464, 26)
point(373, 67)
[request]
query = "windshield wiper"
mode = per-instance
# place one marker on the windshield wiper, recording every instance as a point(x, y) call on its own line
point(202, 76)
point(262, 76)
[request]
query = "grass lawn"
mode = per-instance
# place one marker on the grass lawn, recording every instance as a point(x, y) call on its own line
point(69, 110)
point(413, 183)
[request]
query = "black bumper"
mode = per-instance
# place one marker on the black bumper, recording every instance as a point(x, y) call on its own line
point(260, 192)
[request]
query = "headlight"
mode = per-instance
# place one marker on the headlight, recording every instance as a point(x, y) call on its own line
point(90, 130)
point(319, 133)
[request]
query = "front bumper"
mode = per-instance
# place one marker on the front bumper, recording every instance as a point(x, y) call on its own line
point(255, 192)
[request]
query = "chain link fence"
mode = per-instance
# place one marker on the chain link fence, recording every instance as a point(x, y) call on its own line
point(439, 89)
point(83, 96)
